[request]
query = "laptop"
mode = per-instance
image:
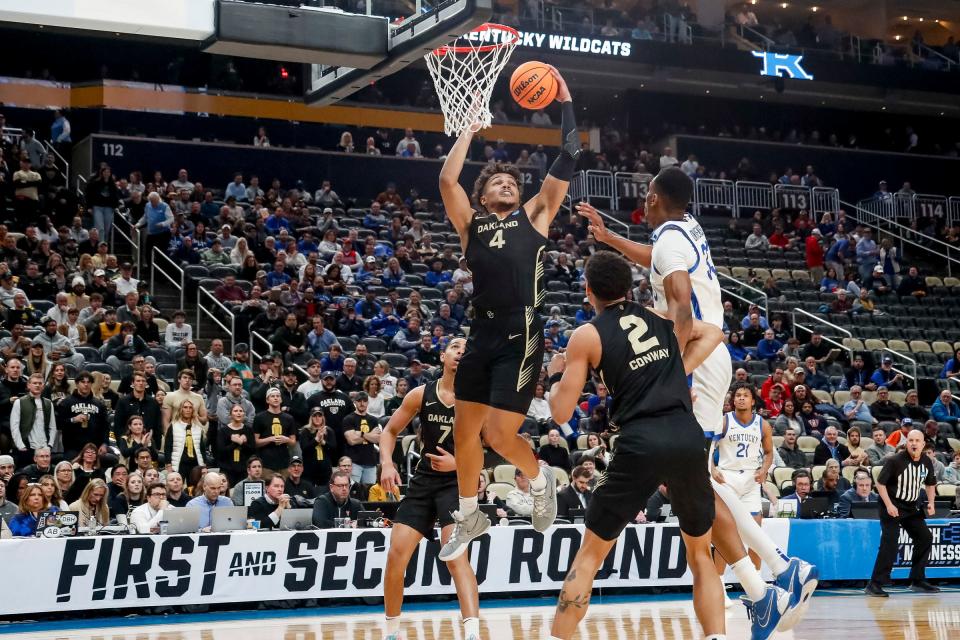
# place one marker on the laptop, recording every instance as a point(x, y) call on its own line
point(183, 520)
point(296, 519)
point(58, 524)
point(941, 507)
point(228, 519)
point(576, 514)
point(388, 509)
point(368, 519)
point(864, 511)
point(815, 506)
point(490, 510)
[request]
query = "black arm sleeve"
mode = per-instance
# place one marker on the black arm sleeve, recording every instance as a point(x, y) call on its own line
point(563, 167)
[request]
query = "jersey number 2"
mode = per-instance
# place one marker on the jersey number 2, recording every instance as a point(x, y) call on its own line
point(637, 328)
point(497, 240)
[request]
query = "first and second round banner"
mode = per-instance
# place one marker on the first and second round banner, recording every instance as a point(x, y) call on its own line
point(128, 571)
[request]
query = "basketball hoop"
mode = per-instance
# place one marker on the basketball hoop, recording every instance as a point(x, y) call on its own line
point(463, 74)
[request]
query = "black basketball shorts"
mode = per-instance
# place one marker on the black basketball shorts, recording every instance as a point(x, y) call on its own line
point(501, 365)
point(666, 450)
point(429, 499)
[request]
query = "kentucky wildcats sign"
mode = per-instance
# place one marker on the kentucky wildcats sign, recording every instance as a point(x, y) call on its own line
point(778, 64)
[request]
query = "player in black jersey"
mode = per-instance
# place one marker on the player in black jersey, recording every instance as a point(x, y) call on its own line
point(504, 243)
point(637, 355)
point(431, 495)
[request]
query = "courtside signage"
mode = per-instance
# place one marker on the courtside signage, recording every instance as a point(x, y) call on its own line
point(944, 552)
point(128, 571)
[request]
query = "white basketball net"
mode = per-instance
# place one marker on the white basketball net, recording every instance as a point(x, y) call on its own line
point(464, 73)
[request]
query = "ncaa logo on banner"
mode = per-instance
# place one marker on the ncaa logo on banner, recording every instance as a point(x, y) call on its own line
point(779, 64)
point(945, 551)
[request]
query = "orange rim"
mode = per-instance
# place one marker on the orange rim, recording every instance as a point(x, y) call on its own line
point(489, 26)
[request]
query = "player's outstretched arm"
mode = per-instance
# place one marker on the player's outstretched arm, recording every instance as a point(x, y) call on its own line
point(542, 208)
point(583, 351)
point(704, 338)
point(456, 202)
point(389, 477)
point(641, 254)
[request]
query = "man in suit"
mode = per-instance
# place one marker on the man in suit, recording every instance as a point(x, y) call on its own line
point(802, 483)
point(268, 509)
point(575, 495)
point(831, 447)
point(862, 491)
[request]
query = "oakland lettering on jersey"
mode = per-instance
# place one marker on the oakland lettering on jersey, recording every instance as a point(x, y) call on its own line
point(648, 357)
point(500, 224)
point(440, 418)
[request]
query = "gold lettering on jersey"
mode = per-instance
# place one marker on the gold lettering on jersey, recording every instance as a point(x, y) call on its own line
point(647, 358)
point(439, 418)
point(499, 224)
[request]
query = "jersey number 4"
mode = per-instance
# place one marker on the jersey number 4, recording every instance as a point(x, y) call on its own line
point(497, 240)
point(637, 328)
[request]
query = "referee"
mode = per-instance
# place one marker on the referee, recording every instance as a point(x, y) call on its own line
point(899, 484)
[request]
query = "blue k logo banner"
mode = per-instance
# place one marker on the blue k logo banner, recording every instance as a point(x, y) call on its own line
point(775, 64)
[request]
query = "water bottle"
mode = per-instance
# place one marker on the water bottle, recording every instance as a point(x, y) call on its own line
point(91, 526)
point(163, 527)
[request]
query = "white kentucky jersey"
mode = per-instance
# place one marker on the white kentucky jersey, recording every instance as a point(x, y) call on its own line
point(682, 245)
point(740, 446)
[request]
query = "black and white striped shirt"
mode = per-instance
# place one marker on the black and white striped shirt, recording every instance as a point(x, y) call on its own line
point(905, 478)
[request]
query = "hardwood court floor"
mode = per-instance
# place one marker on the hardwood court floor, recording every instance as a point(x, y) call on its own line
point(841, 614)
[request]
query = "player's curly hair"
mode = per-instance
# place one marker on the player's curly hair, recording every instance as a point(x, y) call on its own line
point(491, 170)
point(736, 386)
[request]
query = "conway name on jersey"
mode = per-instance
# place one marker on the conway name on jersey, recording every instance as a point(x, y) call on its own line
point(640, 364)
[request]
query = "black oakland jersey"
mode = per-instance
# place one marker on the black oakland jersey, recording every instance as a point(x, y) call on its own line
point(506, 259)
point(641, 364)
point(436, 428)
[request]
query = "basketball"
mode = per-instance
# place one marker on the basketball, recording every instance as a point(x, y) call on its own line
point(532, 85)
